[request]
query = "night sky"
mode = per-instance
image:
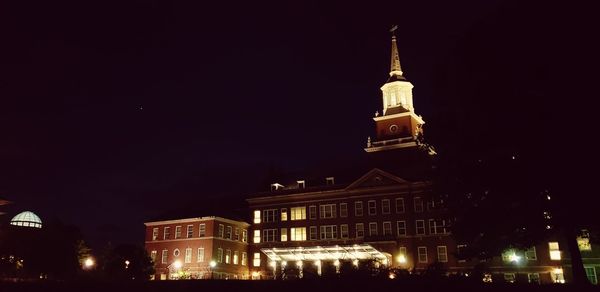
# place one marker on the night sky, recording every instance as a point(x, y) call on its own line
point(112, 113)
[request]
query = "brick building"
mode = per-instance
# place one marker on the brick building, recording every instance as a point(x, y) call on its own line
point(198, 248)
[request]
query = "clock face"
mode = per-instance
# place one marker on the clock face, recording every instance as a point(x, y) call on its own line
point(393, 128)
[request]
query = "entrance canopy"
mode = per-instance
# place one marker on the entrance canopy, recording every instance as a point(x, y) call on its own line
point(336, 252)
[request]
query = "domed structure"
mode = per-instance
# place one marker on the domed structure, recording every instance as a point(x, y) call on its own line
point(27, 219)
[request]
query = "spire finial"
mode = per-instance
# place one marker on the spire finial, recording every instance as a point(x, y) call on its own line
point(395, 68)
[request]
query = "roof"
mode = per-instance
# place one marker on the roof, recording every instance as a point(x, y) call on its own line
point(26, 219)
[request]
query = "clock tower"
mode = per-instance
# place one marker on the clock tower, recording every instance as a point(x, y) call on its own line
point(397, 126)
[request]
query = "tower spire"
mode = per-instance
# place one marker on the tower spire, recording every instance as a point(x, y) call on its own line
point(395, 68)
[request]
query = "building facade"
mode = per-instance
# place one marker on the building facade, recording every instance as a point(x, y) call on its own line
point(198, 248)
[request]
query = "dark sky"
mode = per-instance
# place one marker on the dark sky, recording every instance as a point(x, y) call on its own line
point(114, 112)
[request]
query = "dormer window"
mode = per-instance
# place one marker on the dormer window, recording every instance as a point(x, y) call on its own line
point(301, 184)
point(330, 180)
point(276, 186)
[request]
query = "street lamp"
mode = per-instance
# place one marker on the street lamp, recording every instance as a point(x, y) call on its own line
point(212, 265)
point(88, 263)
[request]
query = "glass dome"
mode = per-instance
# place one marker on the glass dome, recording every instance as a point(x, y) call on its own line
point(26, 219)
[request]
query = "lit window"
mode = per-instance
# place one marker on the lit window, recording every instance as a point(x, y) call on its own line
point(373, 229)
point(343, 210)
point(360, 230)
point(313, 233)
point(385, 206)
point(284, 234)
point(312, 210)
point(420, 227)
point(583, 241)
point(188, 255)
point(177, 232)
point(244, 235)
point(509, 277)
point(244, 258)
point(190, 231)
point(401, 228)
point(558, 276)
point(284, 214)
point(418, 201)
point(200, 255)
point(328, 232)
point(256, 216)
point(327, 211)
point(554, 251)
point(387, 228)
point(164, 256)
point(344, 231)
point(399, 205)
point(298, 233)
point(358, 208)
point(256, 260)
point(153, 256)
point(256, 236)
point(235, 257)
point(442, 252)
point(372, 207)
point(422, 254)
point(202, 230)
point(228, 256)
point(154, 233)
point(298, 213)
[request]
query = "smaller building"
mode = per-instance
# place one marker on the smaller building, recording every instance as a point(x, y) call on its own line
point(198, 248)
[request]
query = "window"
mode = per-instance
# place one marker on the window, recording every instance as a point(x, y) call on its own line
point(244, 235)
point(401, 228)
point(298, 233)
point(343, 210)
point(256, 216)
point(236, 257)
point(228, 233)
point(190, 231)
point(298, 213)
point(442, 253)
point(256, 259)
point(420, 227)
point(177, 232)
point(244, 258)
point(219, 255)
point(372, 207)
point(344, 231)
point(554, 251)
point(387, 228)
point(167, 233)
point(583, 241)
point(510, 255)
point(460, 252)
point(228, 256)
point(256, 236)
point(284, 234)
point(360, 230)
point(284, 214)
point(269, 235)
point(313, 233)
point(385, 206)
point(188, 255)
point(399, 205)
point(418, 201)
point(358, 208)
point(269, 215)
point(431, 205)
point(153, 256)
point(176, 252)
point(164, 256)
point(437, 226)
point(330, 180)
point(200, 255)
point(327, 211)
point(422, 254)
point(373, 229)
point(328, 232)
point(237, 234)
point(155, 233)
point(221, 233)
point(301, 184)
point(509, 277)
point(533, 278)
point(530, 254)
point(312, 210)
point(590, 272)
point(202, 230)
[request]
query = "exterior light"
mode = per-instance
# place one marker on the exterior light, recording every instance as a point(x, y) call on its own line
point(336, 263)
point(392, 276)
point(402, 259)
point(88, 263)
point(255, 274)
point(283, 264)
point(318, 262)
point(299, 264)
point(273, 264)
point(514, 258)
point(177, 264)
point(212, 264)
point(355, 263)
point(127, 264)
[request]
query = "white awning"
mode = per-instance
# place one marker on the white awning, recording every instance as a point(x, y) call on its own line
point(336, 252)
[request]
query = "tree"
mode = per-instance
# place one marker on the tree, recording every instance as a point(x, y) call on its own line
point(127, 262)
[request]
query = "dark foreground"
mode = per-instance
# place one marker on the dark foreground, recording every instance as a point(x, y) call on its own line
point(283, 286)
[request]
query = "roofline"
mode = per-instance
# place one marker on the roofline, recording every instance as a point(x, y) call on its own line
point(188, 220)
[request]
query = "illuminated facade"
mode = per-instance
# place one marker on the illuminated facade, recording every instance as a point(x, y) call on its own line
point(198, 248)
